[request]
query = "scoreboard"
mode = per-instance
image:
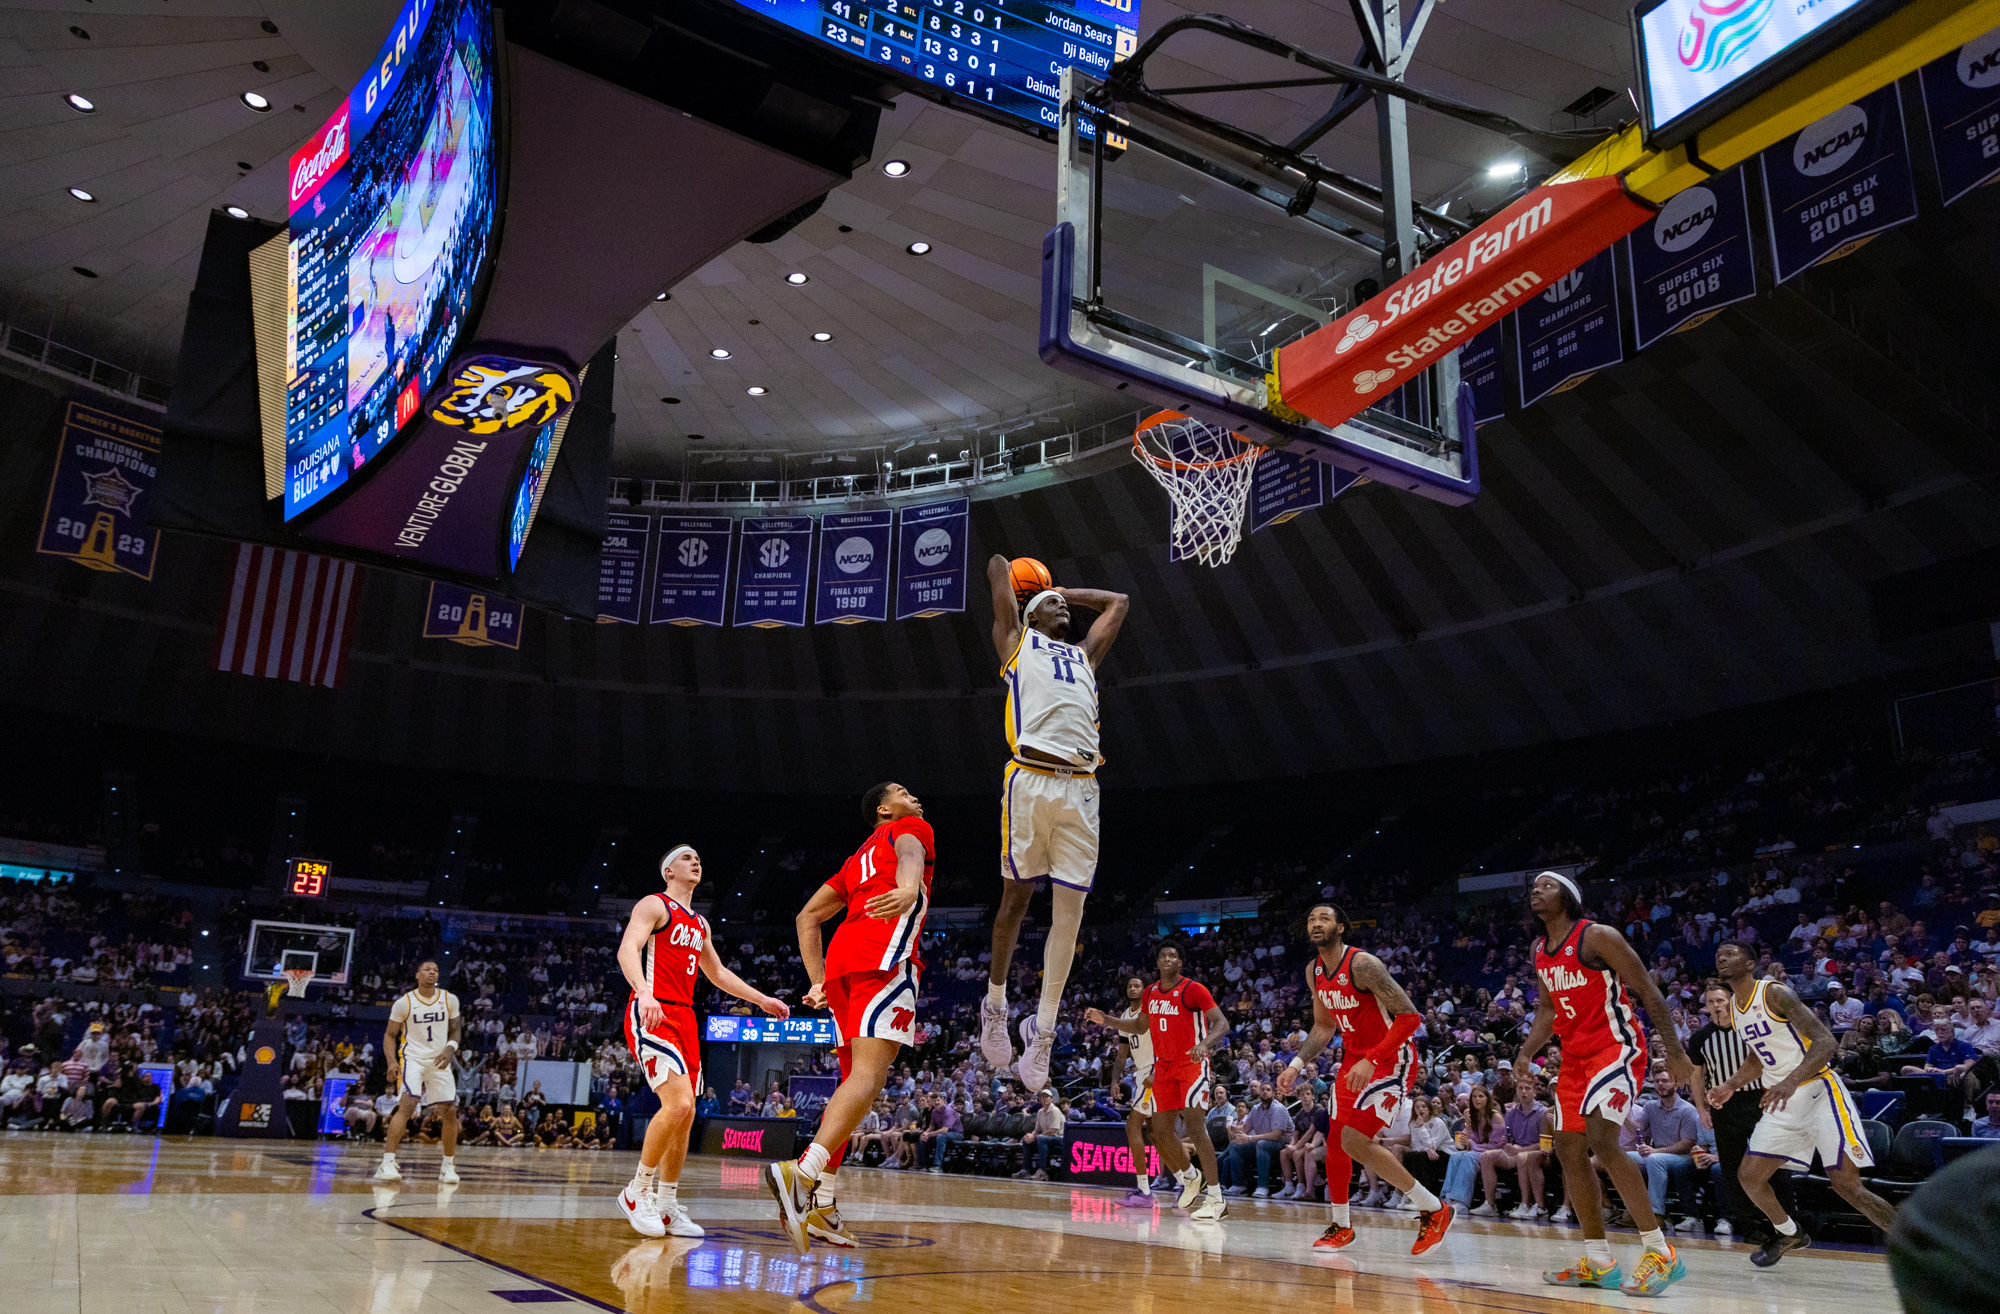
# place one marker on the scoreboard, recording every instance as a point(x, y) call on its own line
point(1005, 55)
point(307, 877)
point(728, 1029)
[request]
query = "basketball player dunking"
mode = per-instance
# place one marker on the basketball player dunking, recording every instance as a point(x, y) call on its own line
point(1585, 969)
point(1048, 795)
point(1807, 1109)
point(419, 1044)
point(867, 978)
point(1354, 994)
point(666, 942)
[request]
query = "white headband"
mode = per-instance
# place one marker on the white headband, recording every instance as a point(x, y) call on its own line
point(1038, 600)
point(1566, 883)
point(676, 852)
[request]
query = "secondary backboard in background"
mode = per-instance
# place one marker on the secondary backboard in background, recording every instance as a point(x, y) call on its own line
point(1182, 262)
point(275, 946)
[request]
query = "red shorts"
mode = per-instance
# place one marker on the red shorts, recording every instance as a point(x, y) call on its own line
point(1180, 1084)
point(1374, 1106)
point(671, 1049)
point(875, 1005)
point(1606, 1082)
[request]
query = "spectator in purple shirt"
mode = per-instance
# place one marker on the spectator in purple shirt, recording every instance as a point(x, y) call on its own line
point(1484, 1131)
point(1522, 1151)
point(936, 1140)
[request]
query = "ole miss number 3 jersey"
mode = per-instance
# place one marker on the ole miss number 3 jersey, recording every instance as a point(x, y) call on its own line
point(672, 956)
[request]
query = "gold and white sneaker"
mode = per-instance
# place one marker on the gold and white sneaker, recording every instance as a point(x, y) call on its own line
point(793, 1191)
point(823, 1224)
point(1212, 1207)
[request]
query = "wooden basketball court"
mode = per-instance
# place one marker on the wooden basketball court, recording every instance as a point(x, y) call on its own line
point(129, 1225)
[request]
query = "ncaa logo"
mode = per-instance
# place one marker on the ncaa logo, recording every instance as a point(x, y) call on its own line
point(775, 553)
point(692, 551)
point(1979, 62)
point(1565, 287)
point(932, 547)
point(1685, 219)
point(1832, 142)
point(854, 555)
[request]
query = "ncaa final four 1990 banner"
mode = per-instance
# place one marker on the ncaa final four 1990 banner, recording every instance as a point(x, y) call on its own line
point(932, 543)
point(853, 568)
point(96, 509)
point(691, 570)
point(771, 571)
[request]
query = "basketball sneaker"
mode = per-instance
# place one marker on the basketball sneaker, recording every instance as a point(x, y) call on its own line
point(1137, 1199)
point(1213, 1208)
point(447, 1174)
point(641, 1211)
point(823, 1224)
point(1190, 1188)
point(1583, 1273)
point(388, 1172)
point(1334, 1237)
point(1432, 1226)
point(675, 1215)
point(1778, 1247)
point(793, 1191)
point(1036, 1048)
point(1656, 1272)
point(993, 1043)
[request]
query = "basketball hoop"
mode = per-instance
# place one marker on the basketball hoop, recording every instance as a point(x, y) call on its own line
point(1206, 472)
point(296, 981)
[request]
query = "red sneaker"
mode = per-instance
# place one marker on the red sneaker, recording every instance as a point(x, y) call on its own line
point(1435, 1224)
point(1334, 1237)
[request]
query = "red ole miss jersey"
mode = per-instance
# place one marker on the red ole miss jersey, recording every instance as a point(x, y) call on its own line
point(1177, 1018)
point(1592, 1010)
point(870, 944)
point(672, 956)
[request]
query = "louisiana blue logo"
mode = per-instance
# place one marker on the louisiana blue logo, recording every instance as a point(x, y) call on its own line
point(1717, 32)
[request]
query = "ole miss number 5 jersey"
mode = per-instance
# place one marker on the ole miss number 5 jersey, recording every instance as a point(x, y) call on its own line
point(872, 944)
point(1592, 1011)
point(672, 956)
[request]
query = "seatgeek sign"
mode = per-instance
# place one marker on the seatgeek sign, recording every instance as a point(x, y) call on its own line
point(1335, 373)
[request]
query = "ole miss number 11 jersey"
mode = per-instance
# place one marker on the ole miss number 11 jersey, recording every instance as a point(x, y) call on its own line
point(872, 944)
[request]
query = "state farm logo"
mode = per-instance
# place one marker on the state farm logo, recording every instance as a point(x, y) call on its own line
point(1979, 61)
point(312, 165)
point(692, 551)
point(1685, 219)
point(1832, 142)
point(854, 555)
point(732, 1139)
point(1359, 330)
point(775, 553)
point(933, 546)
point(1367, 381)
point(1564, 288)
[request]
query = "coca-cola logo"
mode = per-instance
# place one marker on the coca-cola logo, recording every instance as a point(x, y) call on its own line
point(733, 1139)
point(311, 166)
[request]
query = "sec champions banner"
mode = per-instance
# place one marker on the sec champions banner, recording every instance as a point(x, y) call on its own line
point(771, 571)
point(1692, 260)
point(95, 513)
point(472, 617)
point(1569, 332)
point(931, 546)
point(853, 568)
point(1837, 183)
point(691, 570)
point(1962, 101)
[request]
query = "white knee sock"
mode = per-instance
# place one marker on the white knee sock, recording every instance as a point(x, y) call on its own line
point(813, 1160)
point(1420, 1196)
point(1065, 921)
point(1599, 1252)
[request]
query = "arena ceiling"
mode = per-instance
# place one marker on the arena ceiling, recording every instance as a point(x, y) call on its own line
point(921, 346)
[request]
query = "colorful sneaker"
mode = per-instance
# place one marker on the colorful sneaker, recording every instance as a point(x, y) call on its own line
point(1432, 1226)
point(1583, 1273)
point(993, 1044)
point(1137, 1199)
point(1334, 1237)
point(1656, 1272)
point(793, 1191)
point(823, 1224)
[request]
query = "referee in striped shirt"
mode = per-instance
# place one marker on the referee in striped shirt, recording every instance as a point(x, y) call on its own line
point(1720, 1051)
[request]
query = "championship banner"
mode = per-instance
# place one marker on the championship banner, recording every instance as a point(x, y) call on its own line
point(931, 546)
point(1479, 365)
point(691, 570)
point(1962, 102)
point(95, 513)
point(1569, 332)
point(853, 568)
point(1837, 183)
point(771, 572)
point(1336, 372)
point(473, 617)
point(1691, 261)
point(621, 568)
point(1286, 484)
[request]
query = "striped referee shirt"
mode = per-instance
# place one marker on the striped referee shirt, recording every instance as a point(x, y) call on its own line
point(1721, 1051)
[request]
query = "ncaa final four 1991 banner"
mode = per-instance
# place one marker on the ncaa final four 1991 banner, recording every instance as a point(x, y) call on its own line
point(96, 509)
point(853, 568)
point(691, 570)
point(931, 550)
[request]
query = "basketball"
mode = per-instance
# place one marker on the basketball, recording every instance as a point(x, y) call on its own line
point(1030, 577)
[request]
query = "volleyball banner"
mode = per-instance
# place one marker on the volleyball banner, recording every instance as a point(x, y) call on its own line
point(1837, 183)
point(691, 570)
point(1479, 365)
point(1692, 260)
point(95, 513)
point(621, 568)
point(1570, 331)
point(1962, 102)
point(931, 546)
point(472, 617)
point(853, 568)
point(772, 571)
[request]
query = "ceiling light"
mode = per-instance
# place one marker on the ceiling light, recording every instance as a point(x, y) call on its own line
point(81, 194)
point(920, 248)
point(81, 104)
point(720, 353)
point(756, 390)
point(1506, 170)
point(236, 212)
point(795, 279)
point(663, 297)
point(822, 337)
point(256, 102)
point(697, 437)
point(896, 168)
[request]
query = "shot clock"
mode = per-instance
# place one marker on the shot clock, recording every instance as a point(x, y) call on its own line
point(307, 877)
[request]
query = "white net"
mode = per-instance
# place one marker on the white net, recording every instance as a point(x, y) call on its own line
point(1206, 472)
point(296, 981)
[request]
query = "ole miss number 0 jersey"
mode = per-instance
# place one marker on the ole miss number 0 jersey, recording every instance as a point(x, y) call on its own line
point(1177, 1019)
point(672, 956)
point(871, 944)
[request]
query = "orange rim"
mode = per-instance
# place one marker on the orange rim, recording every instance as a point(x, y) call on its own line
point(1158, 418)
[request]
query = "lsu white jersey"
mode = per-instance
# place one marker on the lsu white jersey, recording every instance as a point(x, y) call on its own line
point(1051, 701)
point(426, 1023)
point(1776, 1042)
point(1141, 1046)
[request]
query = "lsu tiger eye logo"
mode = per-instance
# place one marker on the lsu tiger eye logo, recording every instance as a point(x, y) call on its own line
point(490, 394)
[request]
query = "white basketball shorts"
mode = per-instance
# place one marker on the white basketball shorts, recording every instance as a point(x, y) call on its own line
point(430, 1084)
point(1048, 826)
point(1820, 1119)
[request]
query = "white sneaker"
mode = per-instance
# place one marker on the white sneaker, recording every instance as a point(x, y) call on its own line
point(1722, 1227)
point(1682, 1225)
point(1395, 1200)
point(641, 1211)
point(1211, 1208)
point(1522, 1211)
point(675, 1216)
point(1190, 1189)
point(1373, 1200)
point(993, 1044)
point(1562, 1215)
point(1037, 1046)
point(1485, 1210)
point(447, 1174)
point(1261, 1193)
point(388, 1172)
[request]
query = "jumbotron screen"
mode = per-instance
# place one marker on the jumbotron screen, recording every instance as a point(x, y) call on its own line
point(1007, 54)
point(392, 207)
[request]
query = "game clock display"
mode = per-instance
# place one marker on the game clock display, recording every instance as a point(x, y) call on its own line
point(731, 1030)
point(307, 877)
point(1005, 54)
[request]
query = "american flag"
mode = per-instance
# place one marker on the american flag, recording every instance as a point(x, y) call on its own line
point(290, 616)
